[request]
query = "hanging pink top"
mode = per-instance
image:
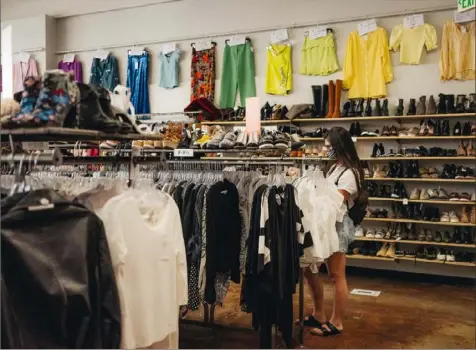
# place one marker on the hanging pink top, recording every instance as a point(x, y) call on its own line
point(21, 70)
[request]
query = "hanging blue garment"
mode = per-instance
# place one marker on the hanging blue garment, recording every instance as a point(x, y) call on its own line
point(137, 81)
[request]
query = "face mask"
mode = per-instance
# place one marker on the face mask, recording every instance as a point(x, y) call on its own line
point(331, 154)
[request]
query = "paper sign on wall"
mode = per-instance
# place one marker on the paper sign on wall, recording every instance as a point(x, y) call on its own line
point(367, 27)
point(169, 47)
point(203, 45)
point(462, 17)
point(465, 5)
point(68, 58)
point(253, 120)
point(237, 40)
point(317, 32)
point(23, 56)
point(278, 35)
point(413, 21)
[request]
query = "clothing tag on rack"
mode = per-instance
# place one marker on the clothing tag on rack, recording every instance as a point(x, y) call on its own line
point(278, 35)
point(183, 152)
point(35, 146)
point(354, 138)
point(405, 201)
point(68, 58)
point(413, 21)
point(203, 45)
point(317, 32)
point(168, 48)
point(367, 27)
point(23, 56)
point(237, 40)
point(466, 16)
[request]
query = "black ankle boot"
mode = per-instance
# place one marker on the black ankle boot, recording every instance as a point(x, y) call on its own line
point(345, 110)
point(472, 104)
point(445, 130)
point(368, 108)
point(460, 103)
point(351, 112)
point(441, 104)
point(403, 191)
point(317, 95)
point(392, 171)
point(385, 108)
point(438, 129)
point(450, 104)
point(358, 130)
point(400, 107)
point(415, 169)
point(360, 108)
point(378, 109)
point(412, 107)
point(352, 130)
point(399, 169)
point(374, 151)
point(325, 100)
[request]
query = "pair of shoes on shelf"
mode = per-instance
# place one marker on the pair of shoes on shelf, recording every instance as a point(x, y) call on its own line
point(378, 213)
point(466, 149)
point(387, 250)
point(389, 131)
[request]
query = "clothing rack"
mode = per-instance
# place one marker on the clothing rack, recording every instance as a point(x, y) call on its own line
point(139, 116)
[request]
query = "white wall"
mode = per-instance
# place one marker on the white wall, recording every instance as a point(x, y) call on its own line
point(7, 63)
point(189, 19)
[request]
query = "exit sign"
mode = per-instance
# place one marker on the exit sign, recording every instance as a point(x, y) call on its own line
point(464, 5)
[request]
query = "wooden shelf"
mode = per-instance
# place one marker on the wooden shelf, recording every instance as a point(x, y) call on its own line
point(242, 122)
point(404, 258)
point(367, 257)
point(427, 201)
point(459, 245)
point(442, 159)
point(403, 117)
point(421, 222)
point(421, 179)
point(398, 138)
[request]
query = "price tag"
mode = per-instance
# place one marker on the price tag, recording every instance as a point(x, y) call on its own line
point(23, 56)
point(354, 138)
point(367, 27)
point(203, 45)
point(317, 32)
point(183, 152)
point(405, 201)
point(278, 36)
point(467, 16)
point(413, 21)
point(167, 48)
point(68, 58)
point(237, 40)
point(35, 146)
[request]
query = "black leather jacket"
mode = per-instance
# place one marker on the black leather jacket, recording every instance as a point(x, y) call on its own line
point(58, 285)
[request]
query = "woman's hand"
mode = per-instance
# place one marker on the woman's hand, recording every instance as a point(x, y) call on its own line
point(345, 194)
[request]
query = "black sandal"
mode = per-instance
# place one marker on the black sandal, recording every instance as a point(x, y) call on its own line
point(310, 321)
point(325, 332)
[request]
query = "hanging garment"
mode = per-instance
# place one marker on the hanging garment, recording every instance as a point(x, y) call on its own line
point(137, 81)
point(104, 72)
point(238, 74)
point(318, 56)
point(75, 67)
point(367, 65)
point(21, 70)
point(458, 51)
point(411, 41)
point(203, 74)
point(279, 74)
point(169, 69)
point(58, 286)
point(148, 256)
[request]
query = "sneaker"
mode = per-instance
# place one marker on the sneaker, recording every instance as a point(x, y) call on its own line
point(446, 237)
point(202, 141)
point(217, 137)
point(453, 217)
point(433, 193)
point(445, 217)
point(359, 231)
point(415, 194)
point(370, 233)
point(442, 195)
point(379, 233)
point(424, 195)
point(450, 257)
point(266, 141)
point(438, 236)
point(281, 140)
point(441, 255)
point(241, 140)
point(253, 140)
point(454, 197)
point(229, 140)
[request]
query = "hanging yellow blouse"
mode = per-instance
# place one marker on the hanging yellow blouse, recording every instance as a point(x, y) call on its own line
point(367, 65)
point(410, 41)
point(318, 56)
point(279, 75)
point(457, 55)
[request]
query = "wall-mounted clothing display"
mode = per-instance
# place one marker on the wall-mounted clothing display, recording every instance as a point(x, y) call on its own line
point(458, 51)
point(318, 56)
point(203, 74)
point(74, 67)
point(104, 72)
point(58, 284)
point(138, 81)
point(169, 69)
point(238, 74)
point(21, 70)
point(279, 74)
point(367, 65)
point(411, 41)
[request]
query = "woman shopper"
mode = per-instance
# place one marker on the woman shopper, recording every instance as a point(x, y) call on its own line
point(346, 173)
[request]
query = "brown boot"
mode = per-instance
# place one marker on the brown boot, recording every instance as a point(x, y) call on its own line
point(338, 90)
point(331, 99)
point(461, 152)
point(472, 217)
point(464, 214)
point(470, 149)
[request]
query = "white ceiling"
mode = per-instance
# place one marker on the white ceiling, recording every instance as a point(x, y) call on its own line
point(14, 9)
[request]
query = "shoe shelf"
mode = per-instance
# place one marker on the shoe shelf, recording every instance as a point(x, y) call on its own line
point(405, 258)
point(243, 122)
point(426, 201)
point(398, 138)
point(441, 223)
point(419, 179)
point(263, 158)
point(68, 134)
point(459, 245)
point(443, 159)
point(394, 117)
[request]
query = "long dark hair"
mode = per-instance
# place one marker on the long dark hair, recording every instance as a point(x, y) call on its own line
point(345, 151)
